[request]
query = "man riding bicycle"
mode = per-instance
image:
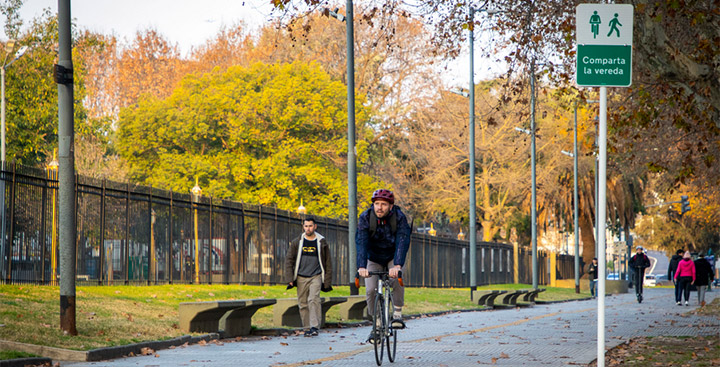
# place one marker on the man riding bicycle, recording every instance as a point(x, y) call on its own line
point(638, 263)
point(382, 241)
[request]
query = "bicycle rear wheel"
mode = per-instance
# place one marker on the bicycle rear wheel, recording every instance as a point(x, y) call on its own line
point(391, 334)
point(378, 328)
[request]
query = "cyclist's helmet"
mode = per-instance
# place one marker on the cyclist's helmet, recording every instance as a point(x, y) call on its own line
point(383, 194)
point(639, 248)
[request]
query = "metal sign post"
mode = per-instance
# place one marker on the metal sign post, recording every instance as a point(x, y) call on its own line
point(604, 58)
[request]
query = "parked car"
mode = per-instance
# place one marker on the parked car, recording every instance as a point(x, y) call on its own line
point(613, 276)
point(650, 280)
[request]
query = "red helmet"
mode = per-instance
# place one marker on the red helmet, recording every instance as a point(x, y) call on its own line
point(383, 194)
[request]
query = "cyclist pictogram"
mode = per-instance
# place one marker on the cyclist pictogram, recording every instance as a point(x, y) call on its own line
point(595, 23)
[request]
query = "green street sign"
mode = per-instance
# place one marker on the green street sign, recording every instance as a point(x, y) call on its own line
point(604, 45)
point(604, 65)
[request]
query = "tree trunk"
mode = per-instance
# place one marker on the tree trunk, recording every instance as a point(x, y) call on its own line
point(588, 238)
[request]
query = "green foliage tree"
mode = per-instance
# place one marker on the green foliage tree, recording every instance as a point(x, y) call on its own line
point(264, 134)
point(31, 95)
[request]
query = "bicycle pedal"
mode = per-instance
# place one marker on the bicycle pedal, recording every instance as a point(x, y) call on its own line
point(395, 322)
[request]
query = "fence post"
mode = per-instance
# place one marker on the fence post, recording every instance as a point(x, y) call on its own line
point(9, 244)
point(101, 268)
point(126, 258)
point(169, 255)
point(43, 228)
point(210, 243)
point(151, 257)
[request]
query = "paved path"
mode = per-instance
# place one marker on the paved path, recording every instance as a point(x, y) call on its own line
point(543, 335)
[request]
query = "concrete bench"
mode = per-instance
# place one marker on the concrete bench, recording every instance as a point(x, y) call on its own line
point(232, 318)
point(486, 297)
point(532, 294)
point(354, 309)
point(287, 313)
point(510, 299)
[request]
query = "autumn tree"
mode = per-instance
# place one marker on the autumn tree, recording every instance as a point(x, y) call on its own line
point(271, 134)
point(150, 66)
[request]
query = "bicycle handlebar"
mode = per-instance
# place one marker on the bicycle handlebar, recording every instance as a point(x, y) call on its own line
point(378, 273)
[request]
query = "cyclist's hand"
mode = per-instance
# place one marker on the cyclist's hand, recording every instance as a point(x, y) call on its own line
point(394, 271)
point(362, 272)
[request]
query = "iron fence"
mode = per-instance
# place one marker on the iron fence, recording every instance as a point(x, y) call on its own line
point(132, 234)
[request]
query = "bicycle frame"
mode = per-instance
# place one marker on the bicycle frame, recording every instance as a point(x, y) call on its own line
point(383, 332)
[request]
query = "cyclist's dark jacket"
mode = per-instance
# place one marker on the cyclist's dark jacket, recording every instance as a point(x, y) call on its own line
point(383, 246)
point(642, 262)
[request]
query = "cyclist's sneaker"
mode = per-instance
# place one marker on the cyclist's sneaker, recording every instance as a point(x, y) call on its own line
point(686, 303)
point(308, 333)
point(314, 331)
point(397, 321)
point(679, 303)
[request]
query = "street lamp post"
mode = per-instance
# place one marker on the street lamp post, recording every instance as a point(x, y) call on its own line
point(352, 170)
point(472, 231)
point(8, 49)
point(196, 192)
point(533, 209)
point(9, 45)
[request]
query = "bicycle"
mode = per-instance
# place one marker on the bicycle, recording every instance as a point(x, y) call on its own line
point(383, 333)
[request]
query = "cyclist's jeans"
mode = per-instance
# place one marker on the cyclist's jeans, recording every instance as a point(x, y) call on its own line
point(372, 282)
point(308, 292)
point(593, 287)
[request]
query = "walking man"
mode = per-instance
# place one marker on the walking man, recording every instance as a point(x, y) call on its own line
point(703, 277)
point(593, 273)
point(614, 23)
point(672, 268)
point(308, 267)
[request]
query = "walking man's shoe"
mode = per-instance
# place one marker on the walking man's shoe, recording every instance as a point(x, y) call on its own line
point(679, 303)
point(308, 333)
point(314, 331)
point(686, 303)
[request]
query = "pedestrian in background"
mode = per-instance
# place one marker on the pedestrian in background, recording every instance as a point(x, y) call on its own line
point(593, 273)
point(308, 267)
point(703, 277)
point(685, 276)
point(672, 269)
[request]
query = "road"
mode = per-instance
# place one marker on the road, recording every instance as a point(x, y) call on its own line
point(661, 262)
point(543, 335)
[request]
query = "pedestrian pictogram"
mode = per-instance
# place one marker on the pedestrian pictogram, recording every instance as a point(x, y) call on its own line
point(604, 44)
point(614, 23)
point(595, 24)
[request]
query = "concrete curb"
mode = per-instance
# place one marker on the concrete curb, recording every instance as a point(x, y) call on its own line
point(22, 362)
point(101, 353)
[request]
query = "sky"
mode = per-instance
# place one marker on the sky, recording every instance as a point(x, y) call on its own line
point(190, 23)
point(187, 23)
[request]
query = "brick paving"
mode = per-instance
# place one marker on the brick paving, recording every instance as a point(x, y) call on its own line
point(543, 335)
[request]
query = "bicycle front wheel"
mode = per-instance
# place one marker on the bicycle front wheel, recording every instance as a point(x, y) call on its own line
point(379, 328)
point(391, 334)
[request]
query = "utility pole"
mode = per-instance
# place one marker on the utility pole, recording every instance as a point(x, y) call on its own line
point(66, 190)
point(533, 209)
point(352, 172)
point(471, 159)
point(575, 205)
